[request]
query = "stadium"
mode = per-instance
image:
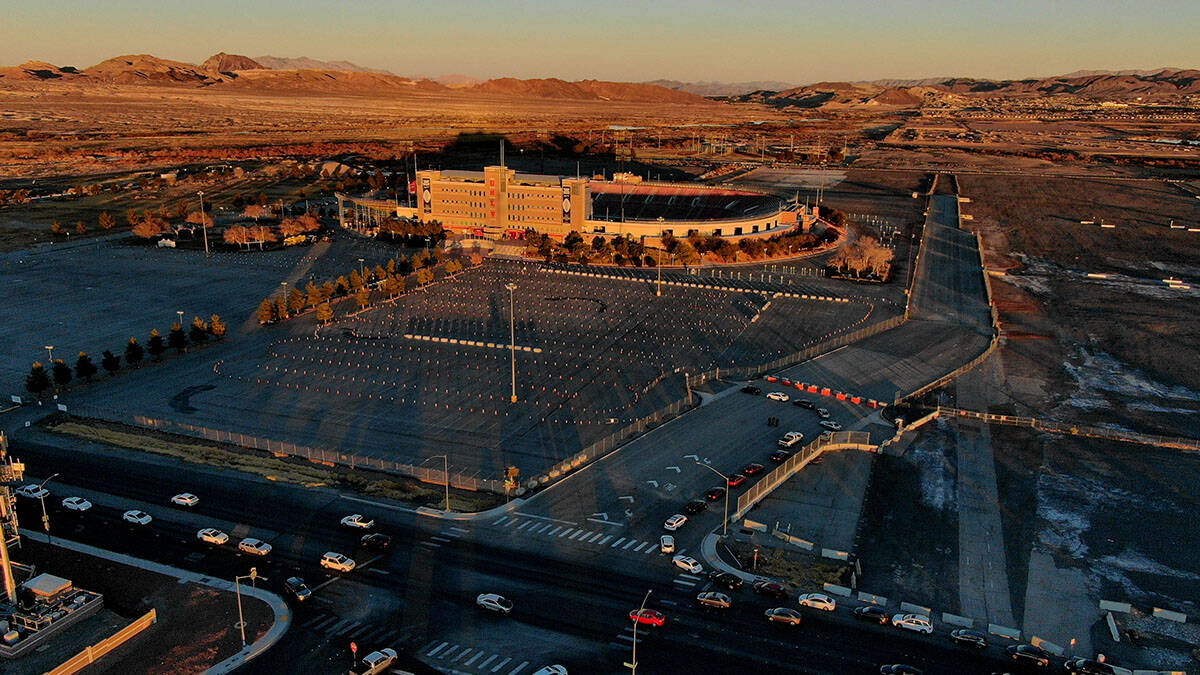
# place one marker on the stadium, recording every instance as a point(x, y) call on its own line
point(499, 203)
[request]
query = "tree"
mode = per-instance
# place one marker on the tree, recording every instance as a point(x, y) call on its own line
point(155, 346)
point(327, 290)
point(181, 210)
point(356, 281)
point(312, 294)
point(363, 298)
point(281, 308)
point(342, 286)
point(261, 234)
point(84, 368)
point(132, 217)
point(176, 339)
point(686, 253)
point(216, 327)
point(453, 266)
point(61, 372)
point(379, 273)
point(266, 311)
point(110, 361)
point(424, 276)
point(198, 333)
point(37, 381)
point(106, 221)
point(80, 228)
point(255, 211)
point(392, 286)
point(197, 218)
point(133, 353)
point(150, 227)
point(324, 312)
point(56, 229)
point(295, 301)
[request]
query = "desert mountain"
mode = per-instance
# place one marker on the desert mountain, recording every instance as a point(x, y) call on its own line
point(722, 88)
point(146, 69)
point(228, 63)
point(38, 70)
point(585, 90)
point(305, 63)
point(455, 81)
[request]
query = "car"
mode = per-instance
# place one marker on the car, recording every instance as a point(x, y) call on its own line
point(818, 601)
point(675, 522)
point(1028, 654)
point(900, 669)
point(823, 413)
point(376, 541)
point(137, 517)
point(211, 535)
point(753, 469)
point(687, 563)
point(827, 436)
point(714, 493)
point(666, 544)
point(736, 480)
point(185, 499)
point(751, 389)
point(784, 615)
point(789, 439)
point(33, 491)
point(551, 670)
point(831, 425)
point(337, 562)
point(915, 622)
point(966, 636)
point(780, 456)
point(651, 617)
point(695, 506)
point(714, 599)
point(494, 602)
point(358, 520)
point(378, 661)
point(254, 546)
point(76, 504)
point(803, 403)
point(1081, 666)
point(730, 581)
point(872, 613)
point(778, 396)
point(771, 588)
point(295, 587)
point(785, 382)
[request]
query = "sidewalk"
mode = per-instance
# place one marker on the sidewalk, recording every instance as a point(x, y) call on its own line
point(279, 608)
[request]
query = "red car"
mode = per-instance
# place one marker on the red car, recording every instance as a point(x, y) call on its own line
point(772, 589)
point(736, 480)
point(753, 469)
point(652, 617)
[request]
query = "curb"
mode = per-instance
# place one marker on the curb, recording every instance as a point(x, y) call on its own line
point(283, 615)
point(708, 551)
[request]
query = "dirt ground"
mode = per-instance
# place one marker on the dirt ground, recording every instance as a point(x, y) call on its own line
point(195, 628)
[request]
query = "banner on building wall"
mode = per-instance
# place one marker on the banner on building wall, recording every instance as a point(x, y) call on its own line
point(566, 204)
point(426, 196)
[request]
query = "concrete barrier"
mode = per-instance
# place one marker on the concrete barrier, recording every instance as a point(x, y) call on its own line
point(838, 590)
point(1110, 606)
point(1047, 645)
point(754, 525)
point(871, 598)
point(1169, 615)
point(1004, 631)
point(956, 620)
point(915, 609)
point(834, 555)
point(1112, 626)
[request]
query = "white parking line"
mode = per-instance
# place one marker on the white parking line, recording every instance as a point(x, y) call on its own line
point(501, 664)
point(438, 649)
point(631, 543)
point(501, 520)
point(462, 654)
point(514, 671)
point(617, 542)
point(491, 658)
point(605, 540)
point(459, 529)
point(556, 529)
point(640, 547)
point(473, 659)
point(441, 539)
point(566, 531)
point(525, 524)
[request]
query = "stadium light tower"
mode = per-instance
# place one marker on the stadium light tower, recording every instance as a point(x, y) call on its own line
point(203, 222)
point(512, 337)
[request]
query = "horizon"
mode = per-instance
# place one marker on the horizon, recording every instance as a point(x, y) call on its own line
point(715, 43)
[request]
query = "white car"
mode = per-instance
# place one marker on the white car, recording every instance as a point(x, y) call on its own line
point(358, 520)
point(675, 522)
point(254, 546)
point(790, 438)
point(494, 602)
point(917, 622)
point(76, 504)
point(684, 562)
point(337, 562)
point(33, 491)
point(818, 601)
point(831, 425)
point(185, 499)
point(551, 670)
point(666, 544)
point(378, 661)
point(211, 535)
point(137, 517)
point(778, 396)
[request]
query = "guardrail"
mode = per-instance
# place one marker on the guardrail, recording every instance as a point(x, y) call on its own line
point(1175, 442)
point(92, 653)
point(841, 440)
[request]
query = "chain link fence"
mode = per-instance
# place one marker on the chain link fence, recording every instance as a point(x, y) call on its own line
point(1176, 442)
point(840, 440)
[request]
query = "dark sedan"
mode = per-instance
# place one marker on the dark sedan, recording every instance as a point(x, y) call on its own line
point(1029, 654)
point(872, 613)
point(695, 506)
point(730, 581)
point(714, 493)
point(753, 469)
point(964, 636)
point(376, 541)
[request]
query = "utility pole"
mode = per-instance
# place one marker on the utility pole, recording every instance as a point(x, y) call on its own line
point(512, 339)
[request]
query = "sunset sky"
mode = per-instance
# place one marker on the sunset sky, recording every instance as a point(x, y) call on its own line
point(797, 42)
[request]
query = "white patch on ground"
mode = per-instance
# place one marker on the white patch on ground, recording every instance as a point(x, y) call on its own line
point(1135, 561)
point(1098, 375)
point(932, 456)
point(1065, 515)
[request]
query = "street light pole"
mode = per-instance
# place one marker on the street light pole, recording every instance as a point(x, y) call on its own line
point(42, 499)
point(725, 526)
point(50, 353)
point(203, 222)
point(512, 338)
point(633, 664)
point(180, 313)
point(237, 585)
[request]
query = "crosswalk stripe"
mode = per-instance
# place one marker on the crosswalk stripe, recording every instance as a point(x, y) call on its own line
point(640, 547)
point(450, 651)
point(458, 529)
point(543, 528)
point(650, 549)
point(473, 659)
point(514, 671)
point(617, 542)
point(341, 625)
point(566, 531)
point(631, 543)
point(605, 539)
point(501, 664)
point(525, 524)
point(437, 649)
point(502, 520)
point(462, 654)
point(593, 539)
point(556, 529)
point(683, 582)
point(320, 621)
point(576, 535)
point(491, 658)
point(440, 538)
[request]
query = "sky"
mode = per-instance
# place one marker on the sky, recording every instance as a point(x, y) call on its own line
point(797, 42)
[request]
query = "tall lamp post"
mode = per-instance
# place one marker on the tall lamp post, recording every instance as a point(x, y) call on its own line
point(445, 474)
point(50, 353)
point(180, 314)
point(725, 525)
point(632, 665)
point(203, 222)
point(42, 499)
point(512, 338)
point(237, 585)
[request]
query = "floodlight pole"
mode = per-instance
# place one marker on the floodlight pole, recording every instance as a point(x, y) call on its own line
point(203, 222)
point(238, 589)
point(42, 499)
point(512, 337)
point(50, 354)
point(725, 526)
point(633, 664)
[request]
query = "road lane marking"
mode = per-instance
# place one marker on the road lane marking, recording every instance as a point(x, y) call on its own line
point(438, 649)
point(462, 654)
point(501, 664)
point(440, 538)
point(524, 525)
point(556, 520)
point(518, 668)
point(502, 520)
point(605, 540)
point(377, 570)
point(617, 542)
point(459, 529)
point(640, 547)
point(566, 531)
point(491, 658)
point(606, 522)
point(556, 529)
point(631, 543)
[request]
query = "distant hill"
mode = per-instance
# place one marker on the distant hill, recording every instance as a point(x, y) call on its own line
point(305, 63)
point(228, 63)
point(585, 90)
point(456, 81)
point(143, 68)
point(721, 88)
point(38, 70)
